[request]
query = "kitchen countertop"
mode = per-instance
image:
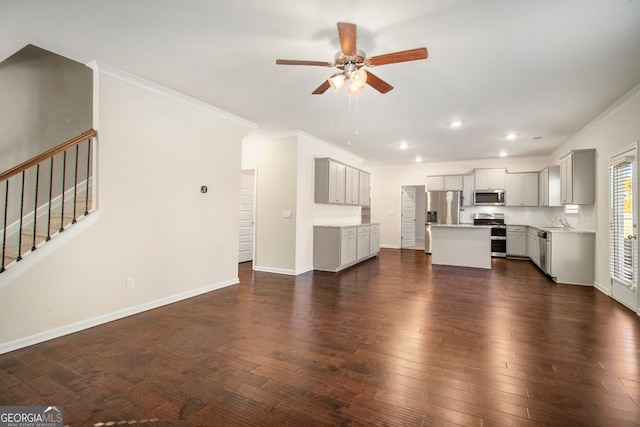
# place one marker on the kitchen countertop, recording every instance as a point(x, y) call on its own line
point(459, 225)
point(344, 225)
point(556, 229)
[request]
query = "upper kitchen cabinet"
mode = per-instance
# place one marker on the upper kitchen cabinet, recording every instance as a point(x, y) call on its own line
point(549, 186)
point(444, 183)
point(522, 189)
point(352, 186)
point(578, 177)
point(365, 189)
point(467, 190)
point(330, 184)
point(490, 179)
point(337, 183)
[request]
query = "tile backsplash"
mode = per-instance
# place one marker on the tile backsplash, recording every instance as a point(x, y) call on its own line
point(585, 218)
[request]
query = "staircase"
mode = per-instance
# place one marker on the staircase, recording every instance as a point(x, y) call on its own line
point(67, 197)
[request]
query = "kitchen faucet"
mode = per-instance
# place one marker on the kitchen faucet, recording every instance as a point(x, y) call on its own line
point(564, 222)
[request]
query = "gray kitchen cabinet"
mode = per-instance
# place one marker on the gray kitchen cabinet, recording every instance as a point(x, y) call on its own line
point(533, 248)
point(517, 240)
point(444, 183)
point(490, 179)
point(352, 186)
point(330, 181)
point(467, 190)
point(338, 247)
point(578, 177)
point(365, 189)
point(522, 189)
point(348, 246)
point(363, 246)
point(572, 257)
point(340, 184)
point(374, 239)
point(549, 186)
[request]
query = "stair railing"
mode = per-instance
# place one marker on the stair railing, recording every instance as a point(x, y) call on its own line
point(31, 169)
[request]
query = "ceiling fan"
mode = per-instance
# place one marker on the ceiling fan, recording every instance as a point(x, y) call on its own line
point(351, 60)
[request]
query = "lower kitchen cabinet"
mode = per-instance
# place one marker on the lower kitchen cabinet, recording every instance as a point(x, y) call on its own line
point(374, 239)
point(338, 247)
point(533, 247)
point(362, 250)
point(572, 258)
point(516, 240)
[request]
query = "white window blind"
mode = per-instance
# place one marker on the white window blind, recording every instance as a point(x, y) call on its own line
point(621, 255)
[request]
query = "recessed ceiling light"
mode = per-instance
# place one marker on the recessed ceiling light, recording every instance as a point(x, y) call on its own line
point(511, 136)
point(503, 154)
point(456, 123)
point(403, 146)
point(418, 159)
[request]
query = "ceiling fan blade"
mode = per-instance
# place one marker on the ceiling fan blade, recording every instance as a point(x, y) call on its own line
point(406, 55)
point(297, 62)
point(347, 34)
point(322, 88)
point(377, 83)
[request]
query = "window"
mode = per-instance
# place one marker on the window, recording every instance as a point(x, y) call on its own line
point(622, 232)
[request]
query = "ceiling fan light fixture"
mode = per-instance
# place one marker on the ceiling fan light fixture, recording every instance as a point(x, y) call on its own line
point(355, 89)
point(337, 81)
point(358, 78)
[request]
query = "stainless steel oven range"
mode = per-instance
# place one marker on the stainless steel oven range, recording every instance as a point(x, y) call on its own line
point(498, 231)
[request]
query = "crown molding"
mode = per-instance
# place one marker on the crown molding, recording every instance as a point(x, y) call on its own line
point(601, 118)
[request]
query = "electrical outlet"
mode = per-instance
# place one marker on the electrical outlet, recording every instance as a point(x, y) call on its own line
point(131, 282)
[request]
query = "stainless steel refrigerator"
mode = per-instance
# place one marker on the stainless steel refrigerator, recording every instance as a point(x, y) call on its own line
point(443, 207)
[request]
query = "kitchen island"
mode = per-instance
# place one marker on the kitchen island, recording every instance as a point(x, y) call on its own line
point(461, 245)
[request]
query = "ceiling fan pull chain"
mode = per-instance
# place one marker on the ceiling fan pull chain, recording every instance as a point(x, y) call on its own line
point(356, 130)
point(349, 119)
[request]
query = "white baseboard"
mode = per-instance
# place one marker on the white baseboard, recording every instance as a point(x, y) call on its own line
point(391, 246)
point(109, 317)
point(604, 290)
point(275, 270)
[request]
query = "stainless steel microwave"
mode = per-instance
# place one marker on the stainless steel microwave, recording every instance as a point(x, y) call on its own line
point(488, 197)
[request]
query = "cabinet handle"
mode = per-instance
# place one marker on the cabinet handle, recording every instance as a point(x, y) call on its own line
point(631, 236)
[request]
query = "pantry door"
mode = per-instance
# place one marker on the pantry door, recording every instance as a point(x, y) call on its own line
point(623, 227)
point(247, 206)
point(408, 232)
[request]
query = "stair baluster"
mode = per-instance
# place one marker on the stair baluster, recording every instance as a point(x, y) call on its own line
point(35, 207)
point(20, 220)
point(86, 197)
point(50, 197)
point(64, 175)
point(4, 228)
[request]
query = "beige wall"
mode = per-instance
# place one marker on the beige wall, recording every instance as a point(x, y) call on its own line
point(275, 160)
point(50, 103)
point(285, 181)
point(155, 150)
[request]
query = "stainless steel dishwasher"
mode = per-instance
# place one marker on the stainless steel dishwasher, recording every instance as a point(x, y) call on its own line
point(544, 242)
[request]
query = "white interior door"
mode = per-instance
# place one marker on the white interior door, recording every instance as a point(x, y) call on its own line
point(247, 197)
point(408, 232)
point(623, 228)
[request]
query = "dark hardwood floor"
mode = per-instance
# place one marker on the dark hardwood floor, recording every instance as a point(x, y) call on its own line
point(391, 342)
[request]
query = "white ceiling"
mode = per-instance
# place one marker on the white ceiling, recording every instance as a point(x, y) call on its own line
point(539, 68)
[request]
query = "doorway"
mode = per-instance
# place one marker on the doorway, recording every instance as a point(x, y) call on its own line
point(247, 213)
point(623, 226)
point(412, 217)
